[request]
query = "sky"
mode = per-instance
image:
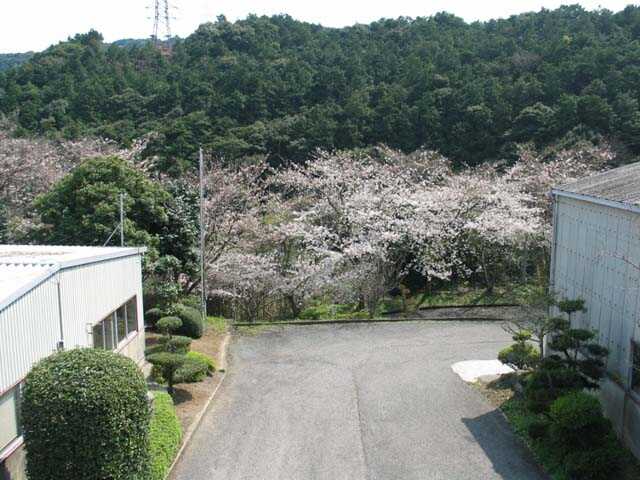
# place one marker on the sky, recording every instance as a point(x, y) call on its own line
point(33, 25)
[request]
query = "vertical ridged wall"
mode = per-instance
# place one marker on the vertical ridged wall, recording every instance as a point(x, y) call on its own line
point(30, 327)
point(595, 248)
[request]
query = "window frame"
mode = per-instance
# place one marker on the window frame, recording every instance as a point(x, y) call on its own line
point(112, 318)
point(16, 392)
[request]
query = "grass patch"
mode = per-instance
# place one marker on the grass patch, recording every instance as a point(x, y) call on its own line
point(332, 311)
point(165, 436)
point(218, 324)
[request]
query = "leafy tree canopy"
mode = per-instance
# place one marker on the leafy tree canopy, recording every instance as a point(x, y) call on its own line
point(277, 86)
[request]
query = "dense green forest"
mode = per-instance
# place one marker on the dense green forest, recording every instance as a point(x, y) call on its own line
point(280, 87)
point(9, 60)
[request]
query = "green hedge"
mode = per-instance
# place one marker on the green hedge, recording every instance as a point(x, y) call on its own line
point(164, 437)
point(191, 321)
point(85, 415)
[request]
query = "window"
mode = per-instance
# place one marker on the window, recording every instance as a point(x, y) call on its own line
point(117, 326)
point(635, 367)
point(98, 335)
point(9, 416)
point(132, 315)
point(121, 323)
point(109, 344)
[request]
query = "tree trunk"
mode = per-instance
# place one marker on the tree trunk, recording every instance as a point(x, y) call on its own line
point(295, 309)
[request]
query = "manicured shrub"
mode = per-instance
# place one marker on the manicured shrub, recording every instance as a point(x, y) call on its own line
point(152, 316)
point(550, 381)
point(191, 321)
point(521, 355)
point(175, 343)
point(193, 370)
point(85, 416)
point(168, 364)
point(583, 438)
point(164, 436)
point(577, 421)
point(211, 366)
point(600, 463)
point(167, 325)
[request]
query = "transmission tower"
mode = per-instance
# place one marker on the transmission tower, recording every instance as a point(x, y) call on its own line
point(161, 20)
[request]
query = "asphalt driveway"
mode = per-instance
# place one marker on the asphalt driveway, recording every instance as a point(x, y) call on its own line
point(360, 401)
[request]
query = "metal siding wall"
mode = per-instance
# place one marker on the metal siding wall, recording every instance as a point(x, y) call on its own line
point(29, 331)
point(30, 327)
point(90, 292)
point(591, 239)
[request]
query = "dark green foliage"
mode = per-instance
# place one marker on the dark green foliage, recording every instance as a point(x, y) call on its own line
point(10, 60)
point(169, 324)
point(165, 435)
point(193, 370)
point(83, 207)
point(168, 364)
point(551, 380)
point(176, 343)
point(571, 306)
point(152, 316)
point(583, 438)
point(580, 352)
point(281, 87)
point(85, 415)
point(599, 463)
point(191, 320)
point(521, 355)
point(538, 429)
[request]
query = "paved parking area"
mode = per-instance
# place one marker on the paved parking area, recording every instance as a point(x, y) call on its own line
point(360, 401)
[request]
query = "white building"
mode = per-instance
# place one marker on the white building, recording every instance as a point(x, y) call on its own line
point(596, 257)
point(61, 297)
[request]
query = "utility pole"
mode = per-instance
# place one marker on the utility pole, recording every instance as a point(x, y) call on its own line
point(122, 219)
point(203, 299)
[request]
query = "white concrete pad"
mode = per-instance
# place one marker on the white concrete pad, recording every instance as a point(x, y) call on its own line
point(471, 370)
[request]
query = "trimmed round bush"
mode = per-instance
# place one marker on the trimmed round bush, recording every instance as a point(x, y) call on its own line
point(193, 370)
point(85, 415)
point(600, 463)
point(520, 355)
point(191, 321)
point(577, 421)
point(548, 383)
point(152, 316)
point(168, 364)
point(176, 343)
point(169, 324)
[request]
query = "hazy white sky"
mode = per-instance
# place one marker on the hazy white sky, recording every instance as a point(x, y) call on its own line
point(36, 24)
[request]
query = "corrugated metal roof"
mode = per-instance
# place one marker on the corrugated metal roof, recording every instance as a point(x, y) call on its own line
point(23, 267)
point(621, 184)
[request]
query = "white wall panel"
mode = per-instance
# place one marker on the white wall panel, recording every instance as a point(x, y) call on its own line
point(594, 245)
point(91, 292)
point(30, 327)
point(29, 331)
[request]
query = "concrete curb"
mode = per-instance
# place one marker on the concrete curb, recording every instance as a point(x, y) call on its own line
point(222, 359)
point(375, 320)
point(458, 306)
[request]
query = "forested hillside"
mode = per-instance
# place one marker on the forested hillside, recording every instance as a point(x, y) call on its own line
point(281, 87)
point(9, 60)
